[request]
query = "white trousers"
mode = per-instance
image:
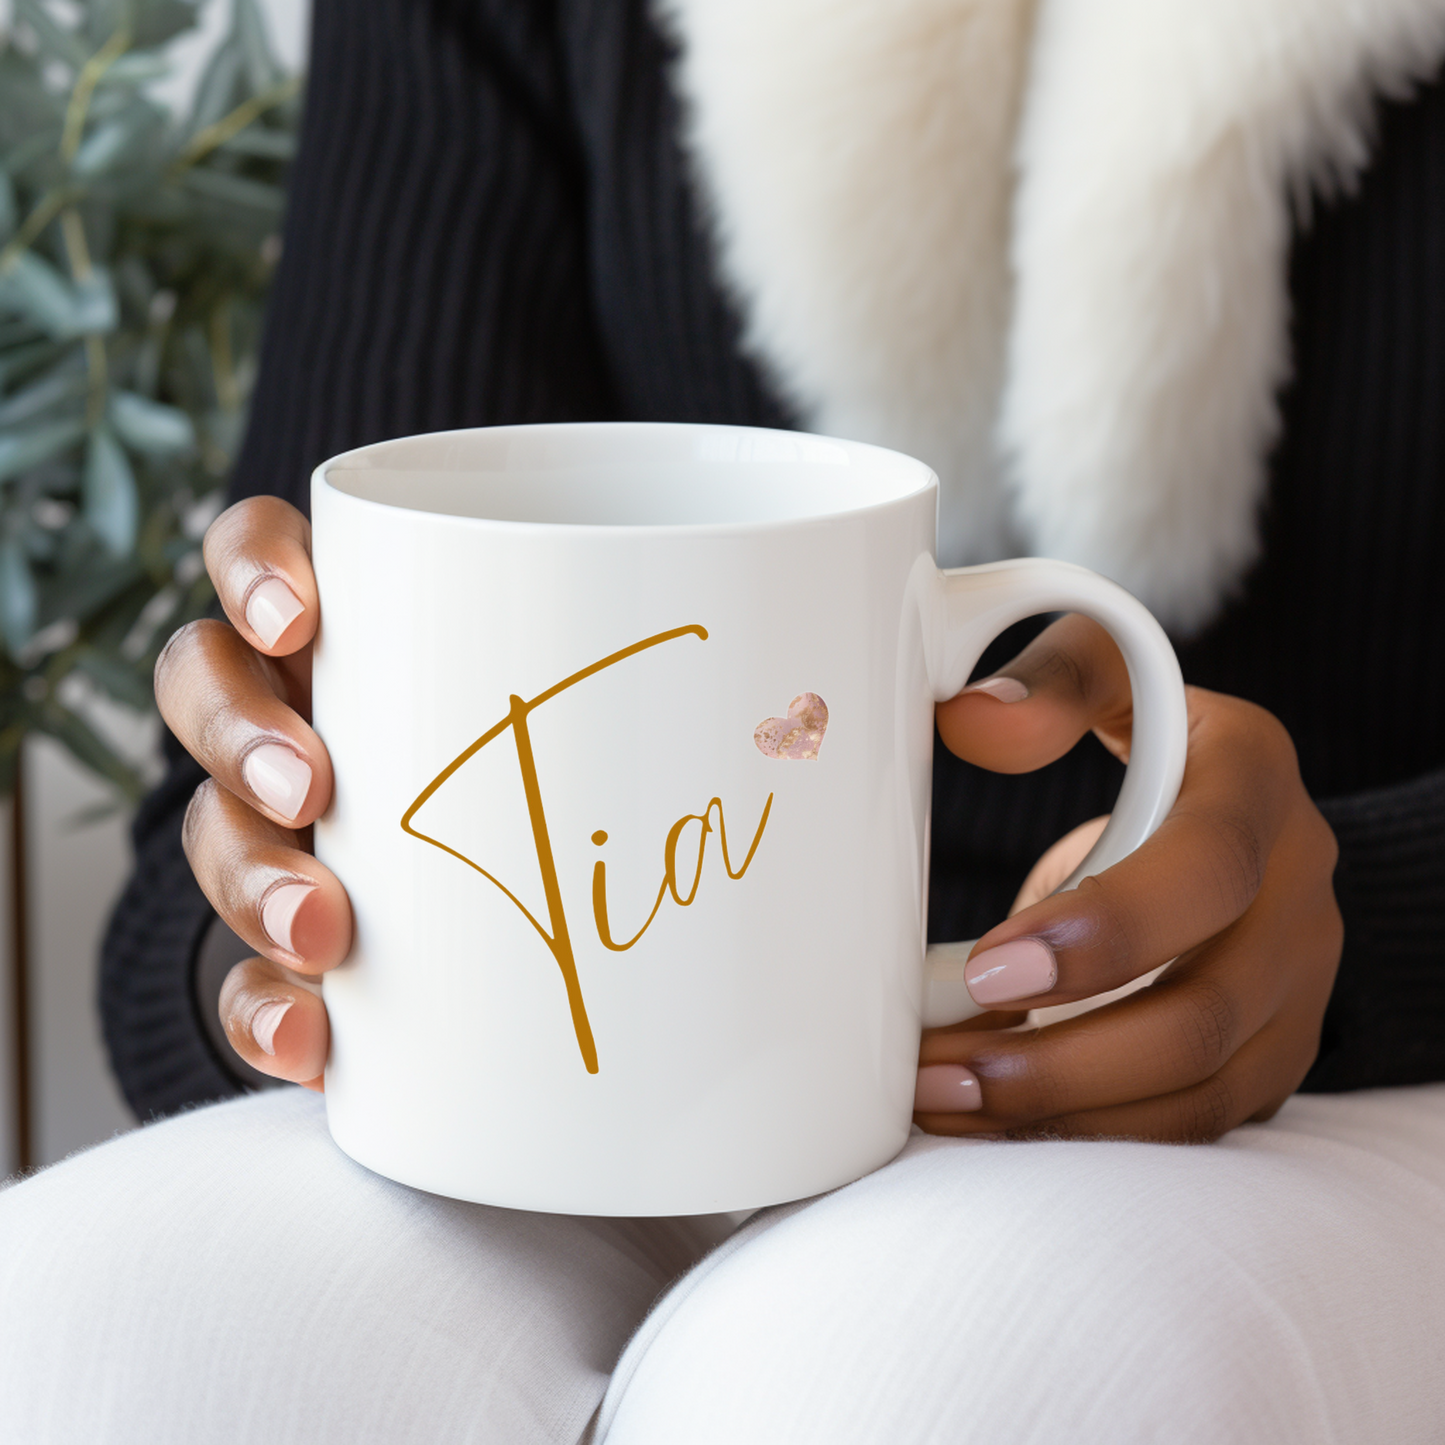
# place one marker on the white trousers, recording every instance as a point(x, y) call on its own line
point(230, 1276)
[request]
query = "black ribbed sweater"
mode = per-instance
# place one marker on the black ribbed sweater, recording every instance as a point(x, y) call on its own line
point(490, 222)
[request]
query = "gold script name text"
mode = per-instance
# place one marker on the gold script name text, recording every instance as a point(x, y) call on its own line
point(557, 936)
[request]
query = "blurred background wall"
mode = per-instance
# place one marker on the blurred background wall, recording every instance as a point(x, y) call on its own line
point(67, 853)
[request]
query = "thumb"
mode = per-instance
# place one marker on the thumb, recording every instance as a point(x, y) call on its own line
point(1069, 681)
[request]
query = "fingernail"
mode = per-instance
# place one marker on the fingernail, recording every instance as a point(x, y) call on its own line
point(1005, 689)
point(278, 912)
point(1011, 971)
point(266, 1020)
point(271, 608)
point(947, 1089)
point(278, 777)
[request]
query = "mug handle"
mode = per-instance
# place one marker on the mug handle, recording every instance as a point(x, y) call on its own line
point(966, 609)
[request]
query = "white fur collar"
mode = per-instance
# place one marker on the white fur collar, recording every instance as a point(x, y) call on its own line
point(1087, 348)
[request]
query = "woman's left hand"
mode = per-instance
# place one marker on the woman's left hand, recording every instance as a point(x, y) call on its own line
point(1235, 888)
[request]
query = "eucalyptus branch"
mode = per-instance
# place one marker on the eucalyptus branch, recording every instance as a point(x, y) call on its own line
point(45, 211)
point(84, 88)
point(216, 135)
point(130, 317)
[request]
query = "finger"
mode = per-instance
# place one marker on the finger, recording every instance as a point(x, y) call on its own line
point(1193, 878)
point(1252, 1086)
point(220, 698)
point(989, 1022)
point(276, 1022)
point(1276, 963)
point(1070, 680)
point(1169, 1036)
point(1178, 1032)
point(258, 553)
point(265, 887)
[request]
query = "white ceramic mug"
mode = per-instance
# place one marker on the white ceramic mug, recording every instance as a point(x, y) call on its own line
point(632, 730)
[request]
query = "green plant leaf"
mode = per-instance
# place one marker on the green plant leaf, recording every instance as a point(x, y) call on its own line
point(250, 30)
point(256, 140)
point(33, 287)
point(18, 598)
point(101, 18)
point(24, 358)
point(137, 68)
point(96, 516)
point(9, 214)
point(108, 145)
point(40, 545)
point(94, 582)
point(106, 628)
point(162, 20)
point(150, 426)
point(58, 386)
point(217, 88)
point(26, 447)
point(235, 190)
point(43, 140)
point(56, 42)
point(90, 749)
point(108, 492)
point(96, 310)
point(121, 680)
point(17, 331)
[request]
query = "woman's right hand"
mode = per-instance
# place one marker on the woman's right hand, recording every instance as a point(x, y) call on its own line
point(237, 695)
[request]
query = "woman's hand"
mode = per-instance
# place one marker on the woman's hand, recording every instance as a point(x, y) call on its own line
point(1236, 883)
point(237, 698)
point(1235, 888)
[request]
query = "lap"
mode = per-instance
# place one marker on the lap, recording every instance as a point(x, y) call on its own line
point(1285, 1285)
point(231, 1276)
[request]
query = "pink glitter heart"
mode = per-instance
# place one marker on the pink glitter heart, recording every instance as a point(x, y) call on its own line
point(797, 737)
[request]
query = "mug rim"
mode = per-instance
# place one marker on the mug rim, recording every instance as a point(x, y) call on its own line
point(377, 454)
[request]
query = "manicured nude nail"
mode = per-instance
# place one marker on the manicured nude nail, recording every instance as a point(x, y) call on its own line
point(278, 777)
point(1011, 971)
point(279, 909)
point(271, 608)
point(266, 1020)
point(1005, 689)
point(947, 1089)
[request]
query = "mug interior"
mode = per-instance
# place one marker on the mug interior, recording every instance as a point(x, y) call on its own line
point(627, 474)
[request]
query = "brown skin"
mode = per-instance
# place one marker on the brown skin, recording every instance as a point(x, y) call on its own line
point(1235, 886)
